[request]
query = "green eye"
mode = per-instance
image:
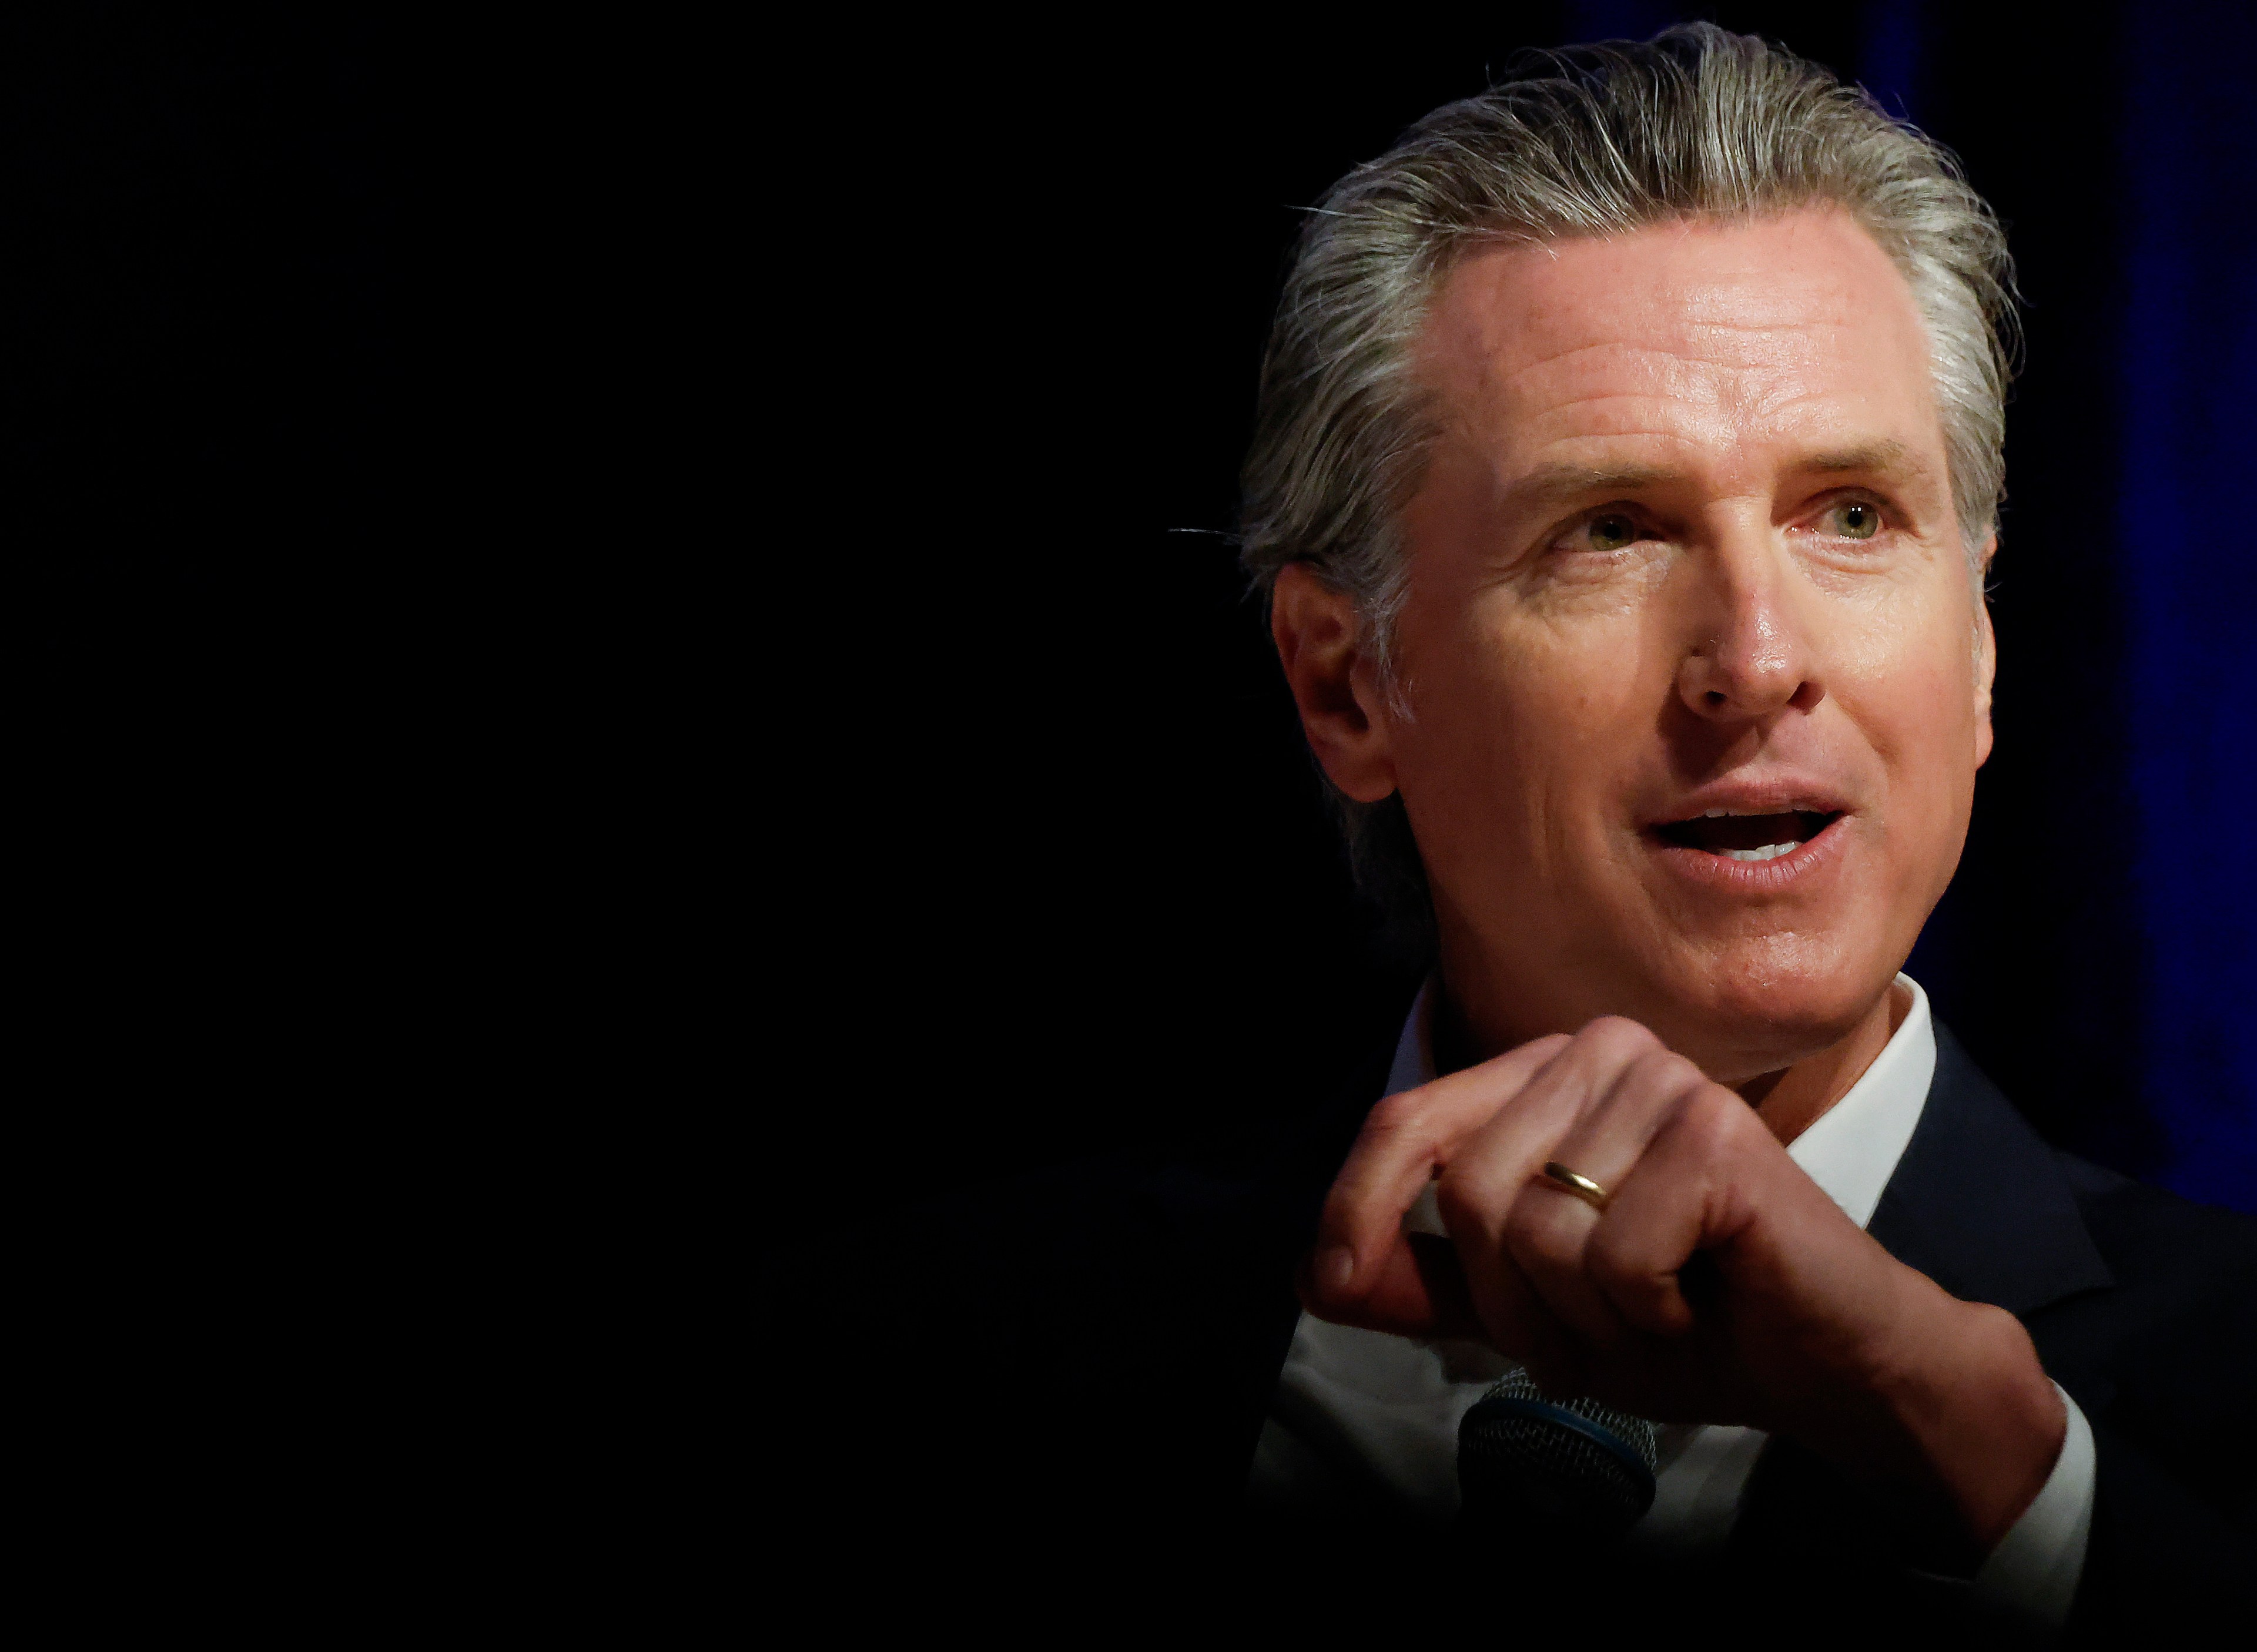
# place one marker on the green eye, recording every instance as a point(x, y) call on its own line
point(1612, 532)
point(1858, 520)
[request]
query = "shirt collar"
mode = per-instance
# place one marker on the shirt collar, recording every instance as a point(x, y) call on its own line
point(1850, 1150)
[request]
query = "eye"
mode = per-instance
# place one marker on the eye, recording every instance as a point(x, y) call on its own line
point(1854, 519)
point(1612, 532)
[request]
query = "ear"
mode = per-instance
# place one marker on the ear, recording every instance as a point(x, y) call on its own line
point(1336, 687)
point(1986, 656)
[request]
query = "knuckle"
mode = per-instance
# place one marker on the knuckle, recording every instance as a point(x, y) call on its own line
point(1618, 1036)
point(1396, 1115)
point(1717, 1121)
point(1662, 1069)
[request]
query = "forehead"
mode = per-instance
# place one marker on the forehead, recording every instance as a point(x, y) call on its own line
point(1707, 335)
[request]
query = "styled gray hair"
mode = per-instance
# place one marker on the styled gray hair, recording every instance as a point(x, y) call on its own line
point(1592, 140)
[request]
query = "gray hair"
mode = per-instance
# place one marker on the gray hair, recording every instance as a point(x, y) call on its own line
point(1589, 141)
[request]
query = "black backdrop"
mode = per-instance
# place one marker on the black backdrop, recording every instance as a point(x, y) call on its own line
point(706, 565)
point(1083, 872)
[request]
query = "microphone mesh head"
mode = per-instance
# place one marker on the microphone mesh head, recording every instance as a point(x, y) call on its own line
point(1573, 1463)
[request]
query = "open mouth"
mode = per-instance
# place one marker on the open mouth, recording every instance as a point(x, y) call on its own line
point(1738, 836)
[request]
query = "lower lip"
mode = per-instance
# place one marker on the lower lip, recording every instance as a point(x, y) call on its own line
point(1776, 876)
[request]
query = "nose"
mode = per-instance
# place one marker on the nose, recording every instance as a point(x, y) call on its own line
point(1753, 656)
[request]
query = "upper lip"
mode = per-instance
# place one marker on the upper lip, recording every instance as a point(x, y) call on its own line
point(1770, 794)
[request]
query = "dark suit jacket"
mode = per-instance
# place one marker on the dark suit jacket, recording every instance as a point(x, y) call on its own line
point(1094, 1351)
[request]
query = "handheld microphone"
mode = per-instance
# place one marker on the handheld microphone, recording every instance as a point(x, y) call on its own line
point(1575, 1465)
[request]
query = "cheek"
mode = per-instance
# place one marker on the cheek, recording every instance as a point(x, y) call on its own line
point(1517, 724)
point(1912, 692)
point(1924, 674)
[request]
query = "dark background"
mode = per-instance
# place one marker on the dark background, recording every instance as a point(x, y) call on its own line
point(1086, 886)
point(674, 594)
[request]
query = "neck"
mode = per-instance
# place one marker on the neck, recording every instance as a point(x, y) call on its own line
point(1789, 1100)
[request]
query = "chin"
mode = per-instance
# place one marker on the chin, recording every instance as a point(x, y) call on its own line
point(1755, 1009)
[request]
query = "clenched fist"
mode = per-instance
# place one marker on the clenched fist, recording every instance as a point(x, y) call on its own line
point(1719, 1284)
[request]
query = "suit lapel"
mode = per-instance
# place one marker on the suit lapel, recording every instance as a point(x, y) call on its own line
point(1979, 1202)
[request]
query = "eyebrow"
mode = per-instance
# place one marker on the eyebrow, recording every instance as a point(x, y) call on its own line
point(1551, 485)
point(1886, 454)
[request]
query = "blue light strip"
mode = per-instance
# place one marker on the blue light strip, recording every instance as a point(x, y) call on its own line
point(2189, 546)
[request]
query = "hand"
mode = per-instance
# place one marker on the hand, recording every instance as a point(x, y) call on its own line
point(1720, 1285)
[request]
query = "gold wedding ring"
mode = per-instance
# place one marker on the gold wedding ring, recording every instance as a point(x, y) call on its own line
point(1574, 1182)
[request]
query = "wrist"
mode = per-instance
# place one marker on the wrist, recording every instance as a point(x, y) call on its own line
point(1980, 1423)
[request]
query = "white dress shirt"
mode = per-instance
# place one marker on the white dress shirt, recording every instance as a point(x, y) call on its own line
point(1375, 1416)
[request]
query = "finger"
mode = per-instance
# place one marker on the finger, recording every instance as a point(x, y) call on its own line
point(1613, 1133)
point(1418, 1289)
point(1488, 1181)
point(1551, 1232)
point(1422, 1291)
point(1515, 1320)
point(1490, 1166)
point(1360, 1267)
point(1699, 1182)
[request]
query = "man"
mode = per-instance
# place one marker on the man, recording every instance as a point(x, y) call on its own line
point(1627, 471)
